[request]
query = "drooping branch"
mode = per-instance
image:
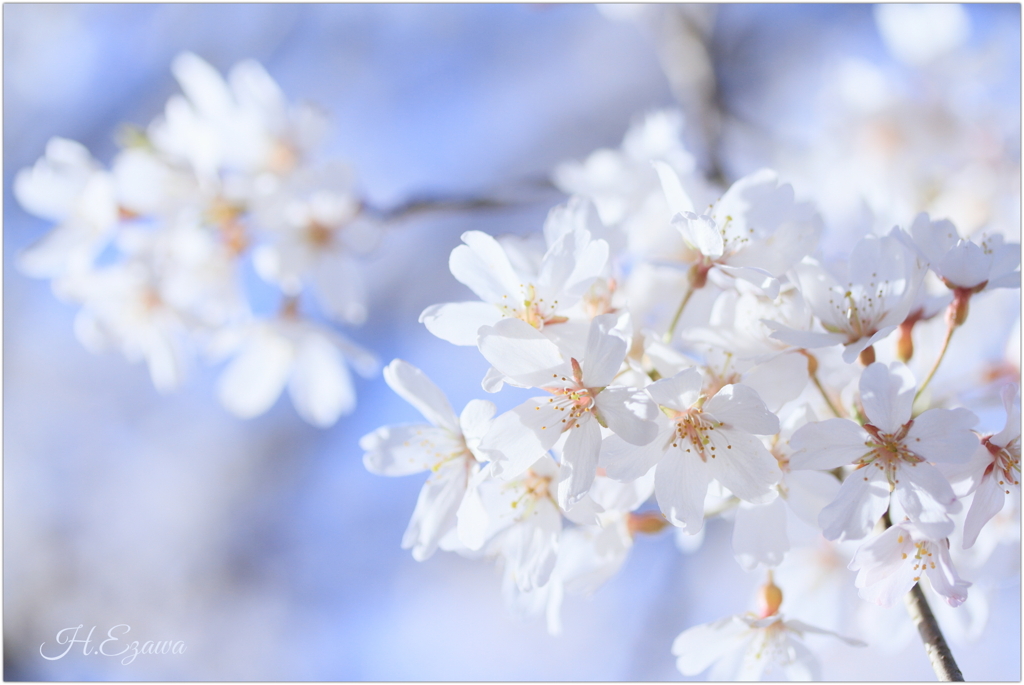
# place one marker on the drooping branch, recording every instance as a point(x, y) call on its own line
point(934, 642)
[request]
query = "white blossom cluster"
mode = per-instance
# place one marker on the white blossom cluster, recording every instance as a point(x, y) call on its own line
point(693, 356)
point(154, 247)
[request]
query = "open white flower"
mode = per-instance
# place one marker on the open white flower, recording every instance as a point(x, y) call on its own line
point(755, 232)
point(309, 360)
point(993, 471)
point(761, 532)
point(582, 400)
point(889, 565)
point(242, 124)
point(123, 308)
point(516, 520)
point(67, 186)
point(446, 448)
point(860, 302)
point(752, 646)
point(890, 454)
point(700, 439)
point(964, 264)
point(314, 235)
point(571, 264)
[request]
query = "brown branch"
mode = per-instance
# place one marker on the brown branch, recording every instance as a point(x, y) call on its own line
point(934, 643)
point(536, 190)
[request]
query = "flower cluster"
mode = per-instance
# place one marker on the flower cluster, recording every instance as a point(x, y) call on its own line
point(153, 248)
point(690, 346)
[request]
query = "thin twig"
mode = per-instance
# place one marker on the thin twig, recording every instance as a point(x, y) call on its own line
point(679, 312)
point(422, 205)
point(942, 354)
point(824, 395)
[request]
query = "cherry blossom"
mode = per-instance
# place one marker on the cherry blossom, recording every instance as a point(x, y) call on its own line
point(67, 186)
point(516, 520)
point(860, 302)
point(891, 453)
point(310, 360)
point(447, 448)
point(539, 296)
point(993, 471)
point(963, 264)
point(583, 399)
point(752, 646)
point(700, 439)
point(755, 232)
point(889, 564)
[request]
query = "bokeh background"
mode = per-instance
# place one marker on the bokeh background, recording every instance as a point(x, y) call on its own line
point(264, 545)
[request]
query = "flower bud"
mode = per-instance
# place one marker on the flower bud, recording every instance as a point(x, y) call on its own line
point(812, 363)
point(905, 342)
point(867, 355)
point(769, 598)
point(956, 315)
point(650, 522)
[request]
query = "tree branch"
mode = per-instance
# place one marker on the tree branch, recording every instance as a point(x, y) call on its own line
point(934, 643)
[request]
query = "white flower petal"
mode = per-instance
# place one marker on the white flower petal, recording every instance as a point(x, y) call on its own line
point(254, 379)
point(944, 435)
point(944, 578)
point(852, 350)
point(678, 200)
point(759, 534)
point(701, 233)
point(522, 435)
point(579, 462)
point(402, 450)
point(803, 339)
point(808, 492)
point(887, 395)
point(778, 380)
point(926, 497)
point(965, 265)
point(988, 501)
point(1011, 403)
point(882, 555)
point(863, 498)
point(741, 407)
point(413, 386)
point(482, 265)
point(475, 420)
point(680, 392)
point(320, 385)
point(700, 646)
point(768, 284)
point(680, 485)
point(604, 352)
point(629, 413)
point(434, 515)
point(828, 444)
point(521, 352)
point(743, 464)
point(625, 462)
point(459, 322)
